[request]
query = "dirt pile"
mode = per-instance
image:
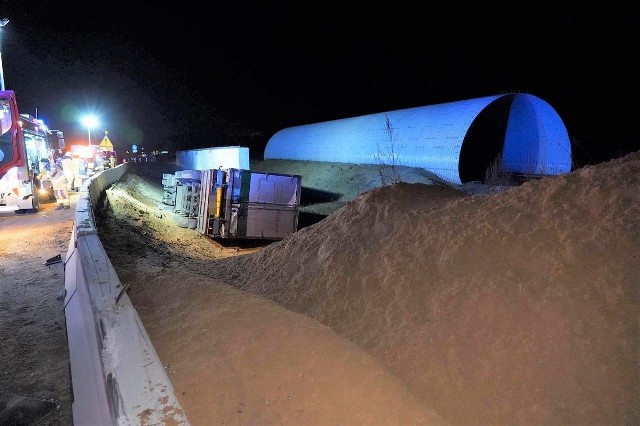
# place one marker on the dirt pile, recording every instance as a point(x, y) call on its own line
point(329, 186)
point(235, 358)
point(518, 307)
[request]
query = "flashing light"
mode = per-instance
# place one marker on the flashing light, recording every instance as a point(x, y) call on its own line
point(83, 151)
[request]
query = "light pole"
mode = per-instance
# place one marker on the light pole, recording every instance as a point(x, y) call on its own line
point(3, 22)
point(90, 121)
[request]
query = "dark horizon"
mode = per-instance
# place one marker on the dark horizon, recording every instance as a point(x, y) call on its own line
point(179, 78)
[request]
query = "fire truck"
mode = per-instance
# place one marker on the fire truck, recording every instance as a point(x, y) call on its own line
point(24, 141)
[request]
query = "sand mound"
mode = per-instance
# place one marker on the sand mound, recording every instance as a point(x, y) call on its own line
point(517, 307)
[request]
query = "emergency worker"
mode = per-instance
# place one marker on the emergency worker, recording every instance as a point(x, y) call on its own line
point(79, 168)
point(42, 179)
point(99, 164)
point(67, 168)
point(60, 189)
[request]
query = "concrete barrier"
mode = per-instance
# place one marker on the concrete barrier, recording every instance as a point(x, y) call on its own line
point(116, 375)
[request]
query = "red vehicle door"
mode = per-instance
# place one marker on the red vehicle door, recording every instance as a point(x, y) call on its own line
point(11, 141)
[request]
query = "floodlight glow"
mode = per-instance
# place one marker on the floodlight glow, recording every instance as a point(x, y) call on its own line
point(89, 121)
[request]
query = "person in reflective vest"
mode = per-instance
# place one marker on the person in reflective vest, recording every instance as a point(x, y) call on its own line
point(67, 168)
point(60, 188)
point(79, 168)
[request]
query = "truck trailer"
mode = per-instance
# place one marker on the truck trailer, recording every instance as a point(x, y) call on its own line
point(246, 204)
point(234, 203)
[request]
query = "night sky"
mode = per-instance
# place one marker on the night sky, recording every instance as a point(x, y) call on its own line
point(183, 76)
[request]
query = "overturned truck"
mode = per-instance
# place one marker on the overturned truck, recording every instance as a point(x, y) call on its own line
point(236, 203)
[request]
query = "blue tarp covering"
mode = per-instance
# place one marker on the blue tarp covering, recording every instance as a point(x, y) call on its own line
point(455, 141)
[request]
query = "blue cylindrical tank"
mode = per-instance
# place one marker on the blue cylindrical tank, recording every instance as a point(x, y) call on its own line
point(457, 141)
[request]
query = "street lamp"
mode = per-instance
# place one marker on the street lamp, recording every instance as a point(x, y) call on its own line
point(89, 121)
point(3, 22)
